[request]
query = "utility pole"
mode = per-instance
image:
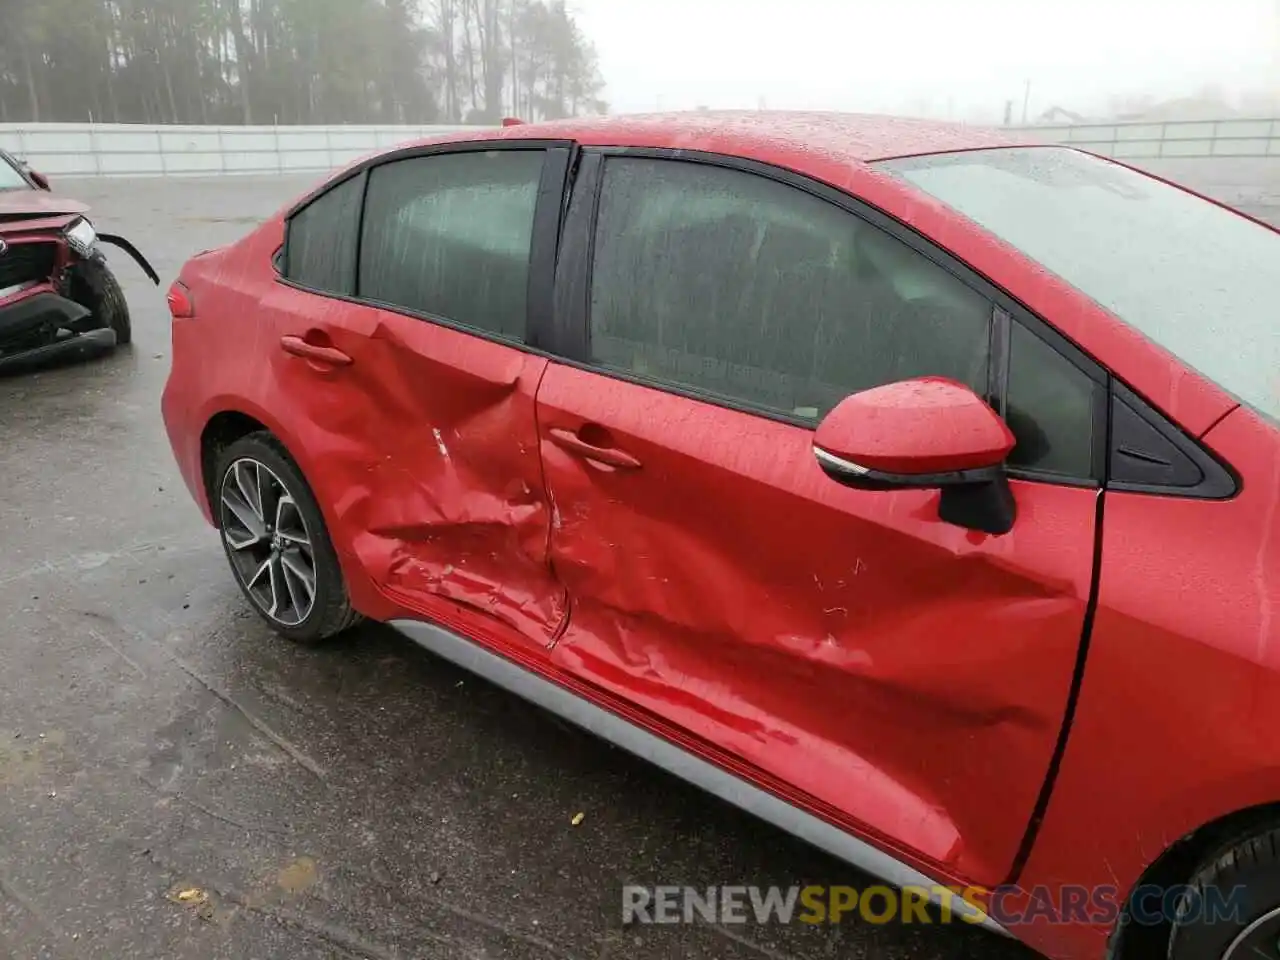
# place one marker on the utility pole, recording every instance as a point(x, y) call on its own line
point(1026, 102)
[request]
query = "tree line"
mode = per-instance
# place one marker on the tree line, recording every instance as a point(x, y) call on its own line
point(294, 61)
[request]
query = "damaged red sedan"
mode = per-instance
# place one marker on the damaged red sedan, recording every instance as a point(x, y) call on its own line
point(908, 486)
point(58, 296)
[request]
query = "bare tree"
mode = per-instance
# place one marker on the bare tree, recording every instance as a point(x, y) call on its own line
point(293, 61)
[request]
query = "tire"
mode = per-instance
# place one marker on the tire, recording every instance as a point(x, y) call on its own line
point(265, 545)
point(94, 286)
point(1245, 875)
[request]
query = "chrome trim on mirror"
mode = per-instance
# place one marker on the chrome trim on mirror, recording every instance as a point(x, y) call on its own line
point(701, 773)
point(839, 464)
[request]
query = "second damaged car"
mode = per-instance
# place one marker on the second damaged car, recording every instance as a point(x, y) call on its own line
point(58, 296)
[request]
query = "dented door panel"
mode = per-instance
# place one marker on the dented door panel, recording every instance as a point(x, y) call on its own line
point(456, 509)
point(908, 675)
point(430, 459)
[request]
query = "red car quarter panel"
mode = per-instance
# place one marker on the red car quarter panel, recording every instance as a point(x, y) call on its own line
point(428, 456)
point(1176, 722)
point(417, 437)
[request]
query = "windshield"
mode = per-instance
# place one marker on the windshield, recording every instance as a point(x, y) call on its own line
point(1199, 280)
point(10, 178)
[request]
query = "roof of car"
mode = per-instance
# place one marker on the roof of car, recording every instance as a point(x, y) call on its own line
point(855, 136)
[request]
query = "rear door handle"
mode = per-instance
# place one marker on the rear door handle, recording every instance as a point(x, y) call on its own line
point(299, 347)
point(607, 455)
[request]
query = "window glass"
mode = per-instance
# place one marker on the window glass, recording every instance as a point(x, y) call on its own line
point(10, 177)
point(1049, 408)
point(449, 236)
point(748, 288)
point(322, 239)
point(1194, 277)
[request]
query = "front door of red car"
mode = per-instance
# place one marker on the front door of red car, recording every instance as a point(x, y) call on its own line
point(908, 677)
point(415, 388)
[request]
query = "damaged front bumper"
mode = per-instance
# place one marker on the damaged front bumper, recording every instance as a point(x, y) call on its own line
point(83, 239)
point(132, 251)
point(45, 326)
point(49, 310)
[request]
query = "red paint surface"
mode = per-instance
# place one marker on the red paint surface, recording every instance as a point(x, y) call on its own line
point(910, 674)
point(1181, 697)
point(692, 568)
point(39, 205)
point(844, 136)
point(422, 449)
point(929, 425)
point(37, 225)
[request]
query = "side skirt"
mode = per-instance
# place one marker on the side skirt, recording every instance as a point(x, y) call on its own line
point(701, 773)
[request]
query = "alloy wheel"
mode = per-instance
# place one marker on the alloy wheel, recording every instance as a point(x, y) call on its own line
point(267, 541)
point(1260, 939)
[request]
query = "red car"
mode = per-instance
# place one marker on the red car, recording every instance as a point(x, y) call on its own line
point(910, 487)
point(58, 296)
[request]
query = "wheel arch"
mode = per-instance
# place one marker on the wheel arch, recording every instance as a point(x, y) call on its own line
point(229, 422)
point(226, 419)
point(1176, 865)
point(220, 431)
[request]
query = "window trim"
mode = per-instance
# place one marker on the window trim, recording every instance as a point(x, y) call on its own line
point(571, 329)
point(1219, 480)
point(544, 242)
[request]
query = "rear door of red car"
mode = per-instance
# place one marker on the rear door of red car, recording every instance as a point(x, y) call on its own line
point(898, 675)
point(399, 341)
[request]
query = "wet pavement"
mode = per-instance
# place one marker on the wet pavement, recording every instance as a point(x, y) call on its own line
point(362, 800)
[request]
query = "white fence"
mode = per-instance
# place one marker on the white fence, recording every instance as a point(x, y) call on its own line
point(78, 149)
point(75, 149)
point(1175, 139)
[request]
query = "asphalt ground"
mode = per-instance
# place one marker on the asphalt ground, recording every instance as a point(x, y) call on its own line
point(362, 800)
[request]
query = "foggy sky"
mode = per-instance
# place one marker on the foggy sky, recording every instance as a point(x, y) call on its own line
point(959, 58)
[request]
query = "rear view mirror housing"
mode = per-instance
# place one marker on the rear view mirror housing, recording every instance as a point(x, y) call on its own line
point(923, 434)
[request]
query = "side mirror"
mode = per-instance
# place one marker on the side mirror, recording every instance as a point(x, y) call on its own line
point(40, 179)
point(930, 433)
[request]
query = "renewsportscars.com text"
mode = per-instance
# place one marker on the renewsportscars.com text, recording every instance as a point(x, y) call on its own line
point(878, 904)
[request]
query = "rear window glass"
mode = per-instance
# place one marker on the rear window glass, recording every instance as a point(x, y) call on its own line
point(449, 236)
point(321, 251)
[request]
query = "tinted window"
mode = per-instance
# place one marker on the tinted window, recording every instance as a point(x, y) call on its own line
point(322, 240)
point(1049, 408)
point(1195, 278)
point(449, 236)
point(754, 290)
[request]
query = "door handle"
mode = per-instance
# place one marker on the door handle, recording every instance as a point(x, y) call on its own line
point(607, 455)
point(299, 347)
